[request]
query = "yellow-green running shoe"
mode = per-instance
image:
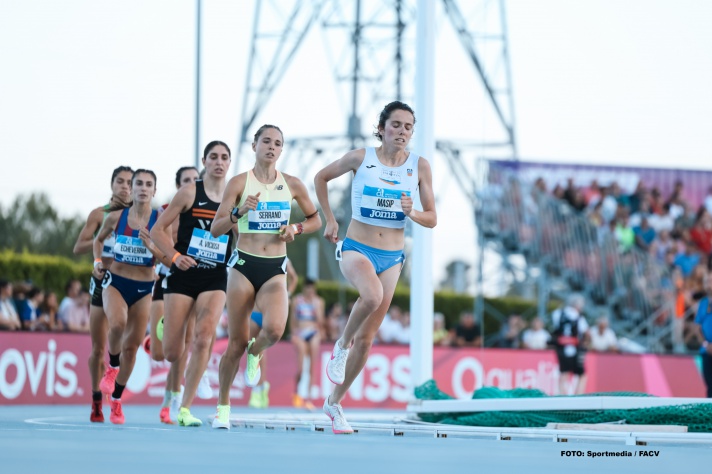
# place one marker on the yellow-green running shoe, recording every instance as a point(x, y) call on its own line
point(222, 417)
point(159, 329)
point(186, 419)
point(253, 372)
point(255, 399)
point(265, 395)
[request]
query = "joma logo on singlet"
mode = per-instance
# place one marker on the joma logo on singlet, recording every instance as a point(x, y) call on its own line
point(383, 214)
point(269, 225)
point(385, 202)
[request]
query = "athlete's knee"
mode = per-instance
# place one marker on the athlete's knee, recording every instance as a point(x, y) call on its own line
point(371, 300)
point(272, 333)
point(173, 352)
point(202, 341)
point(157, 354)
point(235, 348)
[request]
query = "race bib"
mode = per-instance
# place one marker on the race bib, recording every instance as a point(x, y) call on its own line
point(203, 246)
point(379, 203)
point(131, 250)
point(269, 216)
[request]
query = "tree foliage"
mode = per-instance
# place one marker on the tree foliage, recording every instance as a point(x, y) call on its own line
point(32, 224)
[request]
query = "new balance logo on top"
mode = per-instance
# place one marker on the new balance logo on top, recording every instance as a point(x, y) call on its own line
point(279, 187)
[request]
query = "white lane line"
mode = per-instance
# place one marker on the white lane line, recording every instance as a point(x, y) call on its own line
point(55, 421)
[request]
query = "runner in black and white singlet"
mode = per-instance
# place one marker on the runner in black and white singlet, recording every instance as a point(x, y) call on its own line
point(98, 326)
point(197, 279)
point(127, 284)
point(260, 202)
point(371, 256)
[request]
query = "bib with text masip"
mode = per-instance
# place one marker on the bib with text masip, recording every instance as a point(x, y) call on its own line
point(130, 250)
point(203, 246)
point(269, 216)
point(379, 203)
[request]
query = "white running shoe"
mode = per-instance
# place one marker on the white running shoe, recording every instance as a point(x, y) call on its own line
point(222, 417)
point(176, 402)
point(336, 367)
point(205, 391)
point(339, 425)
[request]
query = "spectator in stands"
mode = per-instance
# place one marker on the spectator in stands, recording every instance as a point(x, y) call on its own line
point(48, 311)
point(660, 247)
point(30, 310)
point(77, 314)
point(19, 295)
point(701, 234)
point(603, 339)
point(639, 196)
point(467, 332)
point(71, 291)
point(637, 216)
point(441, 336)
point(678, 324)
point(703, 328)
point(644, 234)
point(688, 260)
point(656, 201)
point(676, 201)
point(663, 220)
point(510, 332)
point(9, 319)
point(708, 200)
point(687, 218)
point(404, 336)
point(609, 204)
point(592, 194)
point(391, 327)
point(624, 234)
point(594, 215)
point(536, 337)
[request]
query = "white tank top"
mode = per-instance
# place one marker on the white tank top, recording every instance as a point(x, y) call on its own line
point(376, 190)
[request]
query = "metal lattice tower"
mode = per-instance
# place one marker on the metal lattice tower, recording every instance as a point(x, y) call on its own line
point(370, 49)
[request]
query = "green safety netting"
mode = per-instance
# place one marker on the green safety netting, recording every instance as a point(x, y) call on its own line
point(697, 417)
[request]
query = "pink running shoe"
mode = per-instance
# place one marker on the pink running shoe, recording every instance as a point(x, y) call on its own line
point(107, 381)
point(166, 416)
point(117, 414)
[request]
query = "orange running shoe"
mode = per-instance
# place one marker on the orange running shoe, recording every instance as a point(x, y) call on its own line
point(166, 416)
point(297, 401)
point(107, 381)
point(97, 415)
point(117, 414)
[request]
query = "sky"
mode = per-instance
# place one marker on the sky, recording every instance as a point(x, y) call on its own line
point(86, 86)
